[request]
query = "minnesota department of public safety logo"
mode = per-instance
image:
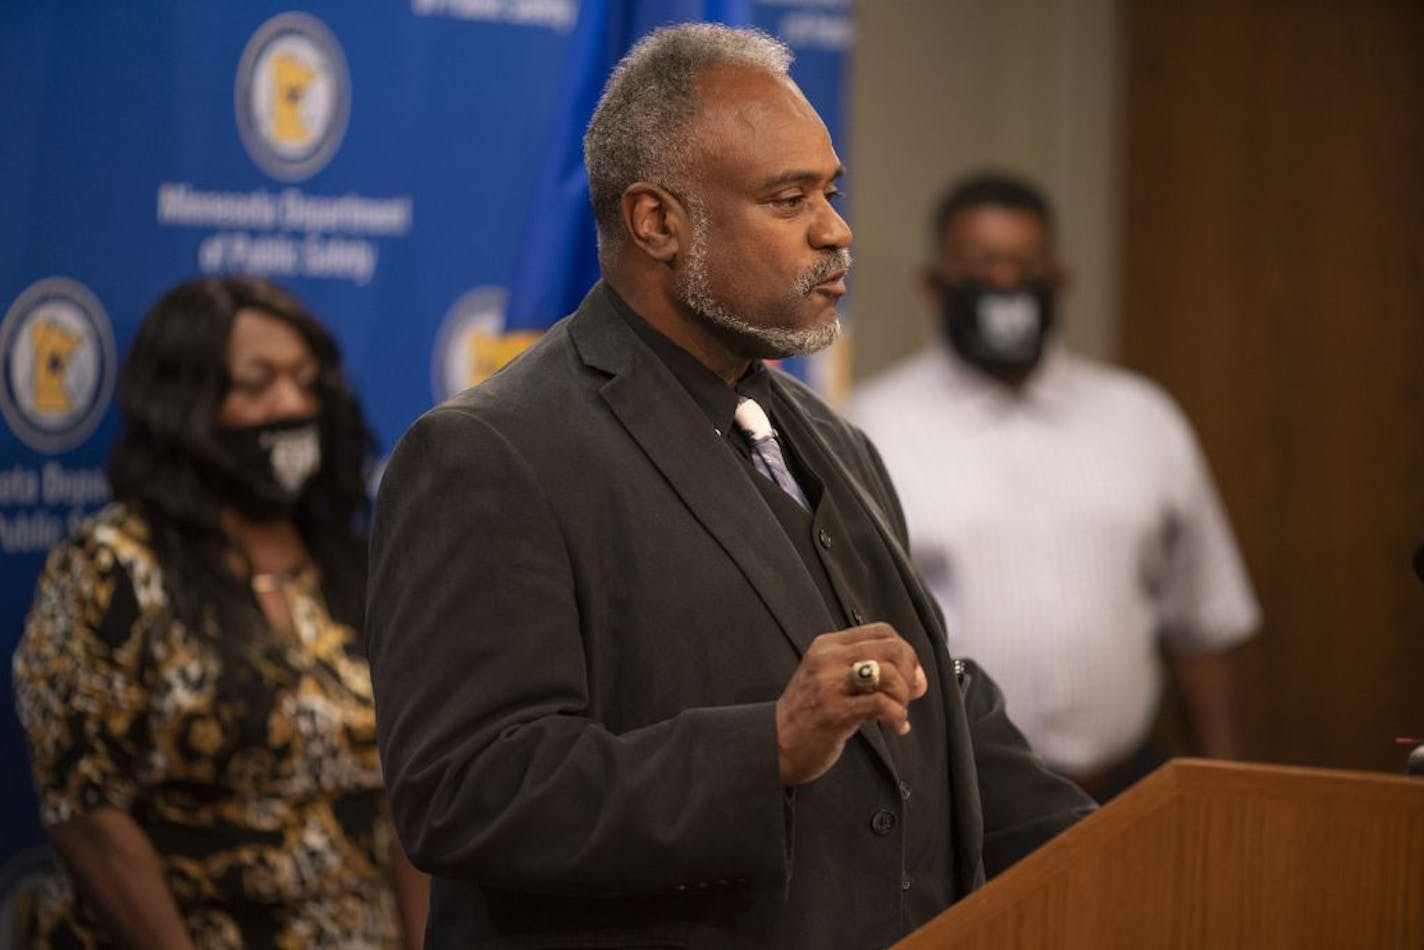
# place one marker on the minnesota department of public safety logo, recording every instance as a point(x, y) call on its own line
point(293, 96)
point(58, 363)
point(473, 344)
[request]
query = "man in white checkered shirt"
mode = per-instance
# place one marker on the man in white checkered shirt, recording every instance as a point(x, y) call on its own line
point(1060, 510)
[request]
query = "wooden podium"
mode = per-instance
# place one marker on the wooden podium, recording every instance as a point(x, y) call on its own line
point(1215, 855)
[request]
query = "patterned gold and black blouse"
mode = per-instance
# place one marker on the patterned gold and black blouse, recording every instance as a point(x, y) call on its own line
point(259, 786)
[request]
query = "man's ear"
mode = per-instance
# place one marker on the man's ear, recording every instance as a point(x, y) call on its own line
point(932, 286)
point(654, 220)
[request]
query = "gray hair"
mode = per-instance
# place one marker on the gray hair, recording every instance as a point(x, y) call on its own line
point(638, 131)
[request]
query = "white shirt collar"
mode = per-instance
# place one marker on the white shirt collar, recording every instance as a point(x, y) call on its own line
point(1048, 387)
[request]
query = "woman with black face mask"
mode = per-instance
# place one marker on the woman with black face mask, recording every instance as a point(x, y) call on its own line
point(190, 679)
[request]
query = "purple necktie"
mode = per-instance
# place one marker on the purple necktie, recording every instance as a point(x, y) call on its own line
point(766, 451)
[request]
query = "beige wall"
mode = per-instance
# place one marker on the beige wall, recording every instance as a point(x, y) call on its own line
point(941, 87)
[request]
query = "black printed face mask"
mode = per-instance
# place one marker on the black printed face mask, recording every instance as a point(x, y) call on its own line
point(1001, 331)
point(269, 466)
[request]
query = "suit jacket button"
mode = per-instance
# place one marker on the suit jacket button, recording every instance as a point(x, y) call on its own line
point(883, 822)
point(906, 881)
point(824, 537)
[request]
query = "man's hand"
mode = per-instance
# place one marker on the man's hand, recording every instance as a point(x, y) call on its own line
point(820, 708)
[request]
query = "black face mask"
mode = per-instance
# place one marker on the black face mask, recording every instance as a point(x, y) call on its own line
point(1001, 332)
point(267, 467)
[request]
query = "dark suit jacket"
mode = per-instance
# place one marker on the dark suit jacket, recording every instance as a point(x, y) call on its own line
point(581, 616)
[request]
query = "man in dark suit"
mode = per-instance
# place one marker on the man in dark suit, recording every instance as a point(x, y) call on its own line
point(651, 667)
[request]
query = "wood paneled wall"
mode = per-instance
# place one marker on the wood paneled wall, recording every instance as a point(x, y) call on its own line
point(1273, 280)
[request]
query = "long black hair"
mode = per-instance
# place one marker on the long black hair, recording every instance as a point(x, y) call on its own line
point(170, 388)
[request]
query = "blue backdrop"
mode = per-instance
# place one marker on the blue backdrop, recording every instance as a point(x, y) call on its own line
point(411, 170)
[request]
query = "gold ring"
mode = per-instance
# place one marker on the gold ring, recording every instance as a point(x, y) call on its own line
point(865, 676)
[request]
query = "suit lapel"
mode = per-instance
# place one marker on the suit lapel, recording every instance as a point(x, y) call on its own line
point(659, 415)
point(966, 809)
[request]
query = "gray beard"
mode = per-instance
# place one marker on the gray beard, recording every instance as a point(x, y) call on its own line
point(771, 342)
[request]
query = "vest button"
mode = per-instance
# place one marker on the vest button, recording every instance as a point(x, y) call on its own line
point(883, 822)
point(824, 537)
